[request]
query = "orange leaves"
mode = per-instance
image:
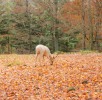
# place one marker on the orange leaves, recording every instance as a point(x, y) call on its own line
point(71, 12)
point(73, 76)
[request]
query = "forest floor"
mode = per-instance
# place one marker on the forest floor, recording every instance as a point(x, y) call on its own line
point(75, 76)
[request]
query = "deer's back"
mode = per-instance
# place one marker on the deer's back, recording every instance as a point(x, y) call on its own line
point(41, 49)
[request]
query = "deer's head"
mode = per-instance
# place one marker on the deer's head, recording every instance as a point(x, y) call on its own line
point(52, 59)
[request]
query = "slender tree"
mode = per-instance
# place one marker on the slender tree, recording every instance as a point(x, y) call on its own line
point(98, 20)
point(83, 23)
point(90, 24)
point(29, 24)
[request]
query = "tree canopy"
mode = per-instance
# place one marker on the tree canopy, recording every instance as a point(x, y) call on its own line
point(62, 25)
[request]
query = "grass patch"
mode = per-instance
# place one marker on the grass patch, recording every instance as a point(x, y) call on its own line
point(71, 89)
point(14, 64)
point(88, 51)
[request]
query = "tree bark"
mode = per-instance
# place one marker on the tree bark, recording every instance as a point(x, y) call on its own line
point(83, 24)
point(8, 38)
point(55, 25)
point(98, 16)
point(29, 22)
point(90, 24)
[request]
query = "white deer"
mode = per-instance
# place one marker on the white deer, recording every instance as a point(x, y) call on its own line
point(41, 52)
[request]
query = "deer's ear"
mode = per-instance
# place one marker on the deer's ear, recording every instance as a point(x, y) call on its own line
point(55, 56)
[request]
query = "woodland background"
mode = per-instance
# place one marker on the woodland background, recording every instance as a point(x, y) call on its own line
point(62, 25)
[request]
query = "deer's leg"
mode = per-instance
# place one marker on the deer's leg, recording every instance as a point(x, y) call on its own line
point(36, 58)
point(48, 59)
point(51, 60)
point(41, 59)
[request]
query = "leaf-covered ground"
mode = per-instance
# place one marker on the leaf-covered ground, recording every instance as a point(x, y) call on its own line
point(72, 77)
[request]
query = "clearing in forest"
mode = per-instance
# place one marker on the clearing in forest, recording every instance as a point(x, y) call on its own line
point(74, 76)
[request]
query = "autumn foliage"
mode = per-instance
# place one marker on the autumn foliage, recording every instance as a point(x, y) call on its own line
point(71, 77)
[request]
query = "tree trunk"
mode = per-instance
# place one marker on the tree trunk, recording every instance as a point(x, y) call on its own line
point(83, 25)
point(90, 24)
point(55, 25)
point(29, 21)
point(8, 38)
point(96, 32)
point(97, 21)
